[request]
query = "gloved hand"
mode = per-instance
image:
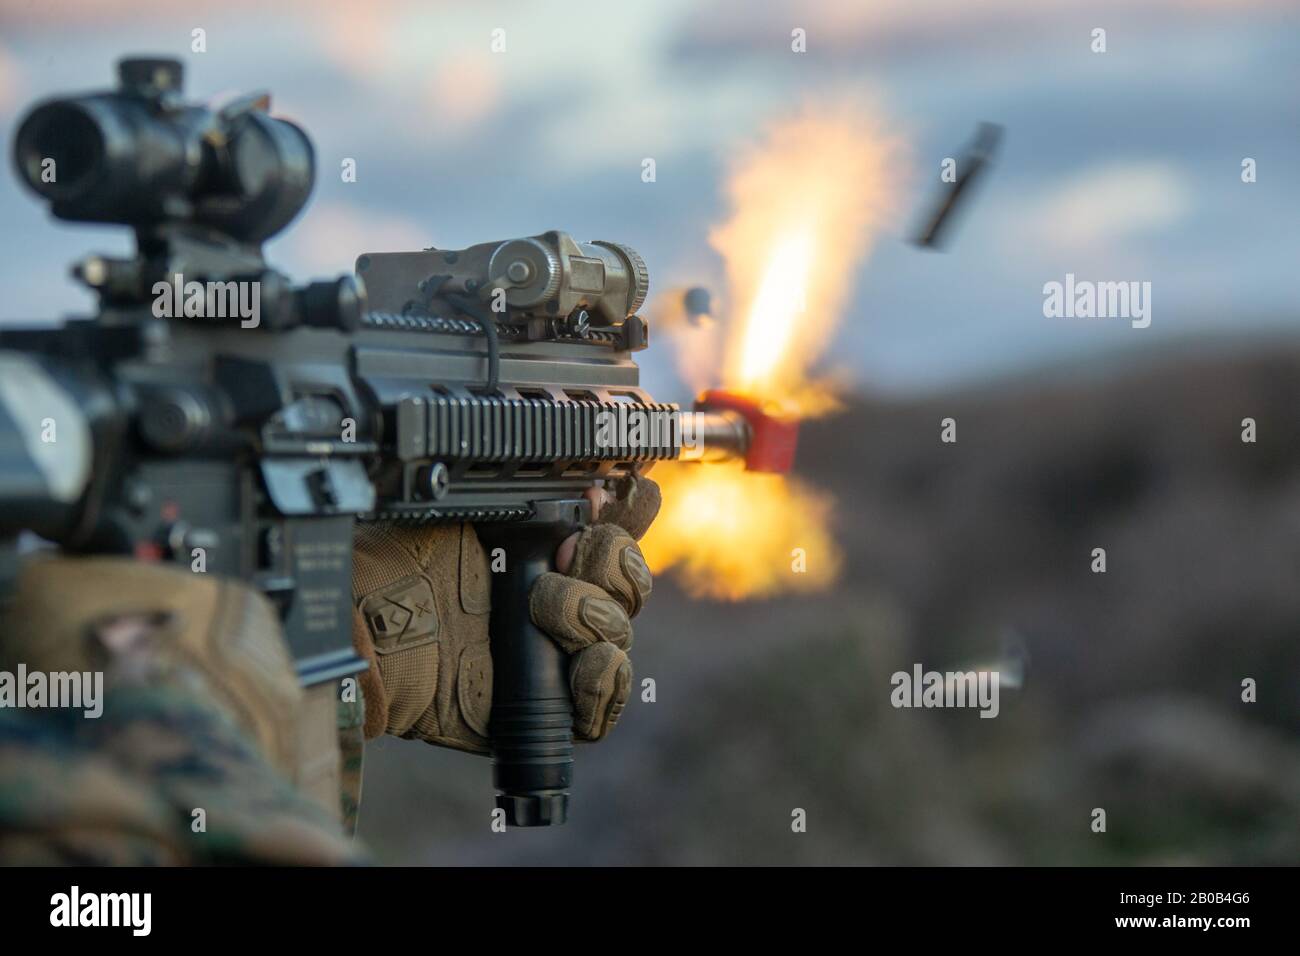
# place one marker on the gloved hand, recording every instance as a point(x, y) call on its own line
point(422, 602)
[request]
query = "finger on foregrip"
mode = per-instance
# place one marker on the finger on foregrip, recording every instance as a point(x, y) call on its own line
point(600, 677)
point(633, 505)
point(577, 614)
point(605, 555)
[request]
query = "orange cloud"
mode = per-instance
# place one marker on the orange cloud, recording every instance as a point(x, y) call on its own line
point(10, 82)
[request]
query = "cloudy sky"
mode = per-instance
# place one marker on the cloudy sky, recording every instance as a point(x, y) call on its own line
point(1124, 165)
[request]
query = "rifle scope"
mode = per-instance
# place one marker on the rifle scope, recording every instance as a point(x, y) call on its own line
point(137, 155)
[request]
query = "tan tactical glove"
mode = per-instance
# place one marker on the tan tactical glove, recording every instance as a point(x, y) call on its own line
point(422, 602)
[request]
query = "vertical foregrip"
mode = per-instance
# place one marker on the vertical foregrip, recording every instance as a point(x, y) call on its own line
point(532, 708)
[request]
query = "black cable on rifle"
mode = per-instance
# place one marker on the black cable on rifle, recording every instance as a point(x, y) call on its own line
point(432, 289)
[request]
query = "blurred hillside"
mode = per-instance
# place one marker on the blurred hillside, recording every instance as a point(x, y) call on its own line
point(957, 555)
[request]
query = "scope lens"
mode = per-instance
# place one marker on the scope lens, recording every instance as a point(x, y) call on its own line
point(271, 171)
point(60, 150)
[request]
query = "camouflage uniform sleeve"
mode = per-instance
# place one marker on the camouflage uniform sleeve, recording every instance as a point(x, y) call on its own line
point(61, 803)
point(163, 777)
point(205, 749)
point(352, 741)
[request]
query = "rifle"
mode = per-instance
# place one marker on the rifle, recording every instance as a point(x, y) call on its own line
point(211, 408)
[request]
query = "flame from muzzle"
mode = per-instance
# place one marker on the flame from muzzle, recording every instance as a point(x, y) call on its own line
point(806, 202)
